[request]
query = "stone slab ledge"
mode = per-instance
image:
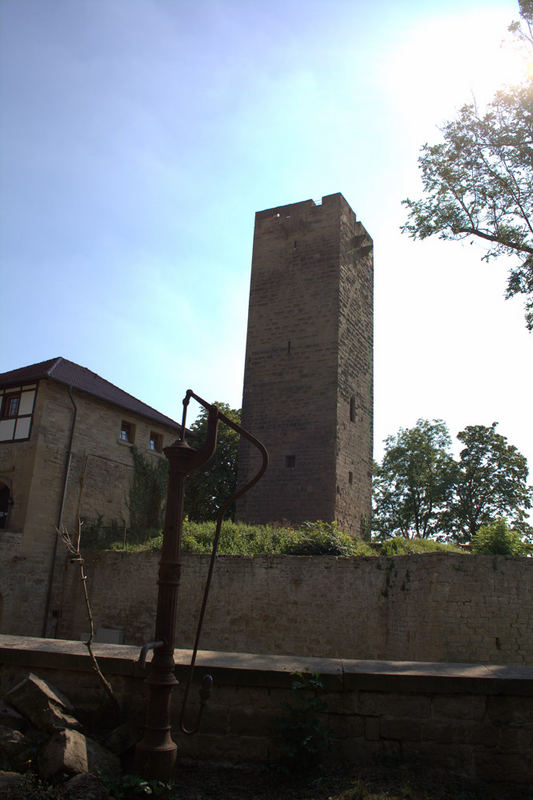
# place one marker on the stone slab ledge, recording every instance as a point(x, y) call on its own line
point(274, 671)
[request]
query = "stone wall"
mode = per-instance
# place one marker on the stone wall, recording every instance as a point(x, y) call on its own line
point(435, 607)
point(468, 720)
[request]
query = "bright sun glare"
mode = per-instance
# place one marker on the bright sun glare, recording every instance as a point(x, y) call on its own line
point(452, 60)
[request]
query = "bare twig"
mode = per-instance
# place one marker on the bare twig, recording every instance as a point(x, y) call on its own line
point(76, 558)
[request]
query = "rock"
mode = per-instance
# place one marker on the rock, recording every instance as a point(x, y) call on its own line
point(122, 739)
point(41, 704)
point(85, 786)
point(11, 718)
point(34, 681)
point(8, 779)
point(15, 748)
point(71, 752)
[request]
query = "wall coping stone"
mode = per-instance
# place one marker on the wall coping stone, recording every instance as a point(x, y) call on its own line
point(274, 671)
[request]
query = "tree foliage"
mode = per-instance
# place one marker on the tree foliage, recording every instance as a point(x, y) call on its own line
point(207, 489)
point(498, 539)
point(478, 182)
point(413, 481)
point(490, 482)
point(421, 491)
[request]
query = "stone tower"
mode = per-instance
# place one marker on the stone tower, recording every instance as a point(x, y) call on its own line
point(308, 375)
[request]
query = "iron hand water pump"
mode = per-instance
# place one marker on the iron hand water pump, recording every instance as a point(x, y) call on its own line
point(156, 753)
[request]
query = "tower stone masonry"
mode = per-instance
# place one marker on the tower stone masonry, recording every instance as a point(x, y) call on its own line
point(308, 392)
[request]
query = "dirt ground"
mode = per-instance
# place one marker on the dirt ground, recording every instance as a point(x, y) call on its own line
point(209, 782)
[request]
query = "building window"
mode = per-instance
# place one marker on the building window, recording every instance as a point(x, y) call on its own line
point(11, 405)
point(352, 409)
point(127, 432)
point(350, 478)
point(290, 462)
point(16, 409)
point(156, 442)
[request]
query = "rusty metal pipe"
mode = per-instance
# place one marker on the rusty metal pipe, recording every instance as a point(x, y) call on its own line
point(155, 755)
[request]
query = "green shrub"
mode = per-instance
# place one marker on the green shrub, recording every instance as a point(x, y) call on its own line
point(399, 546)
point(324, 538)
point(238, 538)
point(303, 737)
point(311, 538)
point(498, 539)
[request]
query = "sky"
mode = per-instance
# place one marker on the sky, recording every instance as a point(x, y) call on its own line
point(139, 137)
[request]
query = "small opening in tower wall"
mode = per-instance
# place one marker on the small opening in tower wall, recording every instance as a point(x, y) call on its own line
point(350, 478)
point(352, 409)
point(289, 346)
point(290, 462)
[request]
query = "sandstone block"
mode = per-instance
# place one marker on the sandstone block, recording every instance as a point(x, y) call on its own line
point(515, 710)
point(71, 752)
point(41, 704)
point(394, 705)
point(344, 726)
point(459, 706)
point(407, 730)
point(249, 722)
point(372, 732)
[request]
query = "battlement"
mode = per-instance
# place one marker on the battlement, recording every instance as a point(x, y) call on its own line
point(305, 207)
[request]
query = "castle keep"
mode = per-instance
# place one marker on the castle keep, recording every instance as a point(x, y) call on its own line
point(308, 374)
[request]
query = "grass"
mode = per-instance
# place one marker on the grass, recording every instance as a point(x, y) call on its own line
point(310, 538)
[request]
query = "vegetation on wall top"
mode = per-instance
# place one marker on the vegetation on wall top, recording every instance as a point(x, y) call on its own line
point(310, 538)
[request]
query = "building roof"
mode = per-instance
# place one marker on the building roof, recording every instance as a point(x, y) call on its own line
point(81, 378)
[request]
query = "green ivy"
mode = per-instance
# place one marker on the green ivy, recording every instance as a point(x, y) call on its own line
point(147, 496)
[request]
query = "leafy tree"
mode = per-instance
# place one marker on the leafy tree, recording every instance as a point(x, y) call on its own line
point(498, 539)
point(413, 482)
point(490, 482)
point(207, 489)
point(478, 182)
point(420, 491)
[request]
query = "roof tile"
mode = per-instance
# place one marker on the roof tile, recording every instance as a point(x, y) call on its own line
point(71, 374)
